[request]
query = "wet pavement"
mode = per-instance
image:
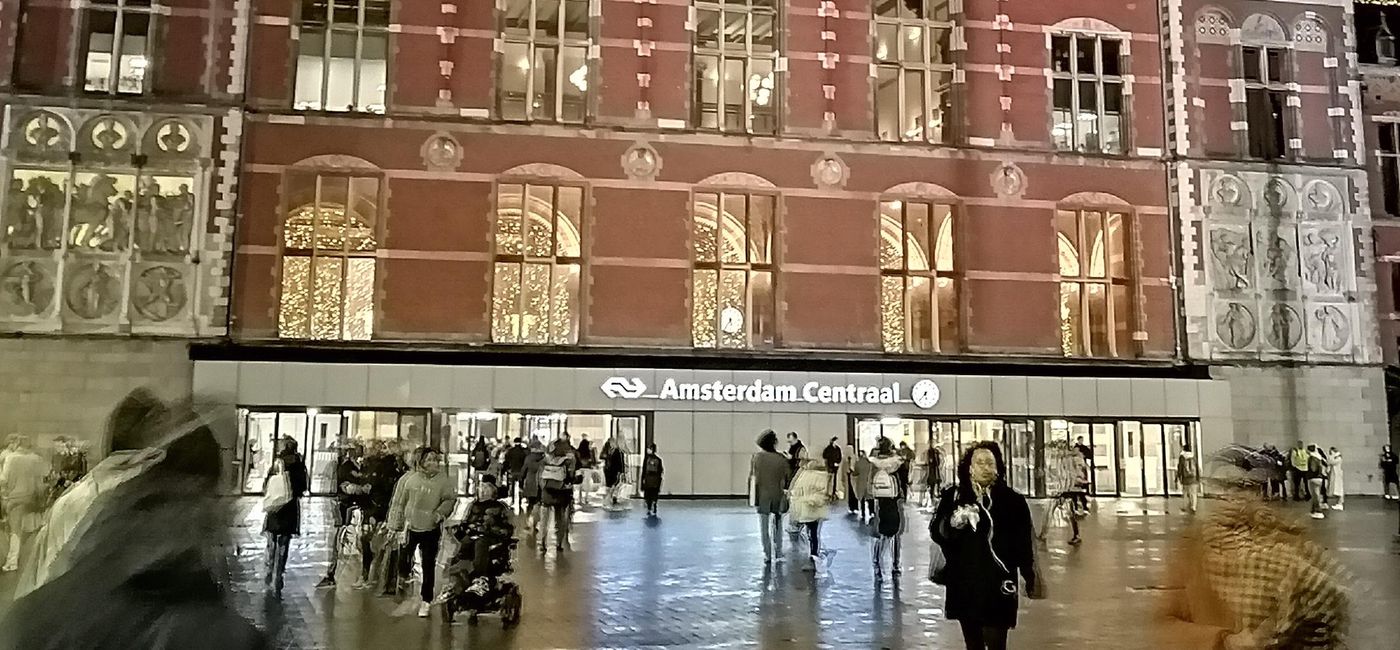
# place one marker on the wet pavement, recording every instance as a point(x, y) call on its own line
point(694, 578)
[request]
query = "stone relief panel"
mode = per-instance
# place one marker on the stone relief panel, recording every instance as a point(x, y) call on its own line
point(1274, 275)
point(116, 204)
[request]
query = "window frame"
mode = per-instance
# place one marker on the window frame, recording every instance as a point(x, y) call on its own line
point(1100, 79)
point(559, 40)
point(1388, 161)
point(752, 337)
point(722, 54)
point(315, 252)
point(328, 29)
point(948, 132)
point(1269, 88)
point(955, 275)
point(1084, 279)
point(524, 258)
point(120, 10)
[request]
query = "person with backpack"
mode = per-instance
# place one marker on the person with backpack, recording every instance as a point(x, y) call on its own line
point(480, 459)
point(652, 470)
point(885, 489)
point(1188, 477)
point(557, 475)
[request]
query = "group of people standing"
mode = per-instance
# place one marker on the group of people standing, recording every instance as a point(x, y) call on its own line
point(982, 570)
point(1306, 473)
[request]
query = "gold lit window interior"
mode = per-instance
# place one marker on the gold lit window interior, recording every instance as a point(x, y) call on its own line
point(342, 56)
point(913, 70)
point(328, 265)
point(117, 43)
point(544, 74)
point(1095, 278)
point(736, 53)
point(538, 260)
point(918, 278)
point(1088, 84)
point(732, 304)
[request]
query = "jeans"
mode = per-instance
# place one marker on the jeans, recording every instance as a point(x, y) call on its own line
point(1192, 493)
point(278, 546)
point(426, 543)
point(814, 536)
point(561, 524)
point(978, 637)
point(770, 525)
point(877, 552)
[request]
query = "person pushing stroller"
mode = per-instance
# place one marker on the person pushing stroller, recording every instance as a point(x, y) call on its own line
point(485, 539)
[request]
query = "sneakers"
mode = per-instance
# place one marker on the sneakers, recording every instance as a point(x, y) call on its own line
point(423, 609)
point(1318, 515)
point(1337, 507)
point(1075, 541)
point(328, 581)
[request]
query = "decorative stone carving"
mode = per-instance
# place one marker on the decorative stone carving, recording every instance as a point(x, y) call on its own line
point(1212, 27)
point(1321, 267)
point(1279, 197)
point(737, 179)
point(830, 172)
point(101, 212)
point(441, 153)
point(1309, 35)
point(107, 135)
point(641, 162)
point(1285, 327)
point(1332, 326)
point(169, 139)
point(166, 217)
point(1262, 29)
point(1231, 259)
point(1228, 192)
point(93, 291)
point(1008, 181)
point(1321, 197)
point(1278, 264)
point(1236, 326)
point(45, 134)
point(26, 289)
point(159, 293)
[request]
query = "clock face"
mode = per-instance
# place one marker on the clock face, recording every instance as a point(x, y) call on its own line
point(731, 320)
point(925, 394)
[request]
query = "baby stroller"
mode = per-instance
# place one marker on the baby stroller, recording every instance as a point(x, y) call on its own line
point(482, 587)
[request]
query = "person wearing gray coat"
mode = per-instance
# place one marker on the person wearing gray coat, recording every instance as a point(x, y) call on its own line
point(769, 472)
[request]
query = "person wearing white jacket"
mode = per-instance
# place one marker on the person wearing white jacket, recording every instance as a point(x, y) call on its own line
point(809, 497)
point(1336, 478)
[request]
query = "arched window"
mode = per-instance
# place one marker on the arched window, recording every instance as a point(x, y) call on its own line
point(732, 303)
point(328, 265)
point(1095, 282)
point(538, 262)
point(1089, 68)
point(1266, 67)
point(918, 277)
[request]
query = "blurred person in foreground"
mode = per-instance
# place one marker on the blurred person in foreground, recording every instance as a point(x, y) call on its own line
point(143, 568)
point(1246, 577)
point(24, 490)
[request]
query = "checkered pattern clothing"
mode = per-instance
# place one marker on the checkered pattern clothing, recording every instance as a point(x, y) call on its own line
point(1273, 579)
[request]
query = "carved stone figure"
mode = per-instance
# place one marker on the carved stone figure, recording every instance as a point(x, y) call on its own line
point(1008, 181)
point(1278, 260)
point(1332, 328)
point(1321, 196)
point(1320, 266)
point(1231, 253)
point(1276, 195)
point(21, 223)
point(641, 162)
point(1228, 191)
point(47, 200)
point(26, 288)
point(1285, 327)
point(92, 292)
point(93, 213)
point(159, 293)
point(829, 172)
point(179, 212)
point(1236, 326)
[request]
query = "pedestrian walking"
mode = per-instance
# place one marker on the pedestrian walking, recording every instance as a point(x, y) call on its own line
point(480, 460)
point(1336, 478)
point(984, 529)
point(906, 468)
point(832, 456)
point(283, 522)
point(514, 472)
point(530, 485)
point(1298, 472)
point(934, 474)
point(1188, 477)
point(614, 466)
point(810, 498)
point(652, 471)
point(848, 469)
point(888, 511)
point(25, 495)
point(423, 500)
point(768, 477)
point(386, 467)
point(1390, 472)
point(352, 488)
point(1248, 576)
point(861, 472)
point(1315, 474)
point(557, 475)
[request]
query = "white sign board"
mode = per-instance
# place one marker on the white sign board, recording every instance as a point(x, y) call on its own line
point(924, 393)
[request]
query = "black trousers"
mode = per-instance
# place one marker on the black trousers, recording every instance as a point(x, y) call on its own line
point(978, 637)
point(814, 536)
point(426, 543)
point(1300, 486)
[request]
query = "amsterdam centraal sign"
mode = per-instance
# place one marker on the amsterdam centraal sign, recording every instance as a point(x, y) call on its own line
point(923, 393)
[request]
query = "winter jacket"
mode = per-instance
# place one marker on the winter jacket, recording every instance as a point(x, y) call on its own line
point(652, 470)
point(810, 495)
point(515, 460)
point(531, 472)
point(421, 502)
point(983, 562)
point(287, 519)
point(885, 465)
point(562, 455)
point(769, 471)
point(861, 471)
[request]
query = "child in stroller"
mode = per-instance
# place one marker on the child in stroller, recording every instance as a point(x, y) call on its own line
point(476, 577)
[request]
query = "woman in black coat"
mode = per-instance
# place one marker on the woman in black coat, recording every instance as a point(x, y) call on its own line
point(282, 524)
point(984, 529)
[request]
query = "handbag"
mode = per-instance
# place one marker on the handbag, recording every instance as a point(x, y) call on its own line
point(277, 492)
point(937, 564)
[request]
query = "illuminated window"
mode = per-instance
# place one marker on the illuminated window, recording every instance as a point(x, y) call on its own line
point(736, 55)
point(544, 67)
point(914, 70)
point(538, 259)
point(732, 304)
point(1095, 278)
point(328, 266)
point(1087, 73)
point(118, 42)
point(342, 60)
point(918, 278)
point(1266, 96)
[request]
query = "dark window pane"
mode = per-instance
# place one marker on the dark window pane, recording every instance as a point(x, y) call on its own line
point(707, 28)
point(762, 36)
point(1111, 58)
point(1064, 96)
point(1087, 58)
point(1390, 186)
point(1059, 53)
point(1386, 133)
point(887, 103)
point(940, 45)
point(1251, 64)
point(887, 8)
point(576, 19)
point(1276, 65)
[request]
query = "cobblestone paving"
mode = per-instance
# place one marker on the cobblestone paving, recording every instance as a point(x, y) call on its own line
point(694, 578)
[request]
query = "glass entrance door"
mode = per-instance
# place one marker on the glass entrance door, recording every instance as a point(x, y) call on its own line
point(262, 432)
point(627, 431)
point(1130, 460)
point(1154, 461)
